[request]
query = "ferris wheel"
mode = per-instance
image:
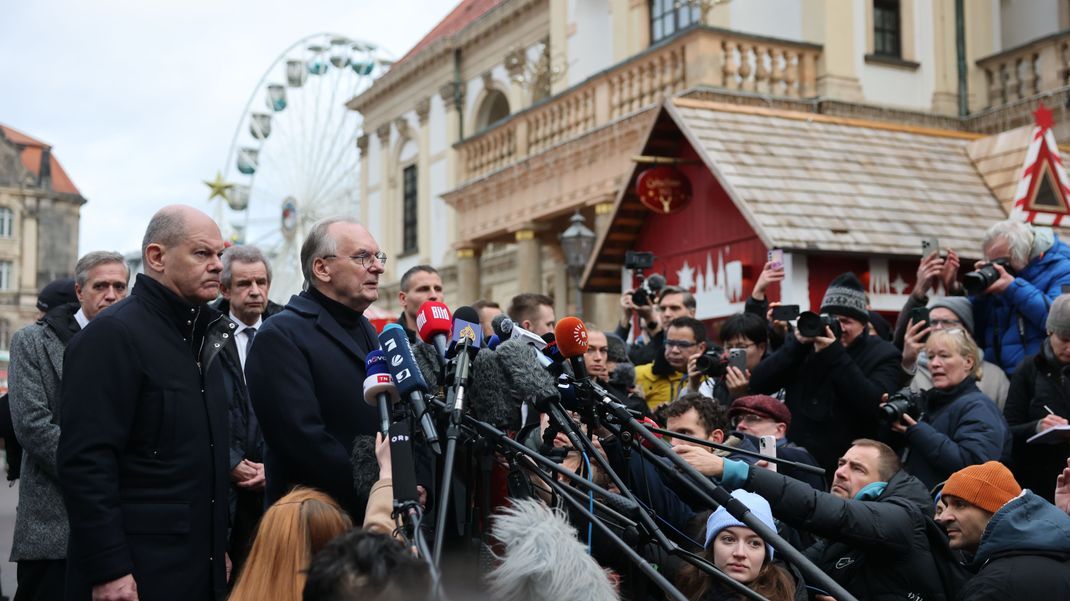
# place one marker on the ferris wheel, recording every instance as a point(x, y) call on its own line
point(293, 158)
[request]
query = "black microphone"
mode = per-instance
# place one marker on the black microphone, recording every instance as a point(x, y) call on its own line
point(365, 464)
point(467, 338)
point(410, 382)
point(402, 464)
point(503, 381)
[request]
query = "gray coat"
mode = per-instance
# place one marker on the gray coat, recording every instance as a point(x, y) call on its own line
point(34, 377)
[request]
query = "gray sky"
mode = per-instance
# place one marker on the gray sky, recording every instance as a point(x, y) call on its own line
point(140, 99)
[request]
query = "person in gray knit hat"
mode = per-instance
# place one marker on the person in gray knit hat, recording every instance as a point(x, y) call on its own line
point(833, 386)
point(948, 313)
point(1039, 399)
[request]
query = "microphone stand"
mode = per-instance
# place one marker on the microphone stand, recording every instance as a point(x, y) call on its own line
point(462, 367)
point(813, 469)
point(649, 525)
point(719, 494)
point(621, 504)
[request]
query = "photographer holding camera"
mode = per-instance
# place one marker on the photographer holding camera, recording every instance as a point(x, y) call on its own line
point(1024, 270)
point(656, 305)
point(833, 382)
point(953, 424)
point(673, 371)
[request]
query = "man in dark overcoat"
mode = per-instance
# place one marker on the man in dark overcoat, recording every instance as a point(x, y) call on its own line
point(143, 445)
point(306, 366)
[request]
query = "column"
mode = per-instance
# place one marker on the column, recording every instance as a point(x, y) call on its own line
point(468, 284)
point(362, 147)
point(945, 60)
point(423, 185)
point(454, 175)
point(564, 289)
point(832, 24)
point(603, 308)
point(388, 211)
point(559, 42)
point(528, 260)
point(27, 266)
point(516, 64)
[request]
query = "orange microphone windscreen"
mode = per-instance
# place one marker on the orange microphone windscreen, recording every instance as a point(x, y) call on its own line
point(571, 337)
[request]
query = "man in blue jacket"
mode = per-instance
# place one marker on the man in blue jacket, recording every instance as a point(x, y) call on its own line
point(1019, 543)
point(1010, 314)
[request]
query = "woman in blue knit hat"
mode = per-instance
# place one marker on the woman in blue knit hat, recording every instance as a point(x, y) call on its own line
point(742, 555)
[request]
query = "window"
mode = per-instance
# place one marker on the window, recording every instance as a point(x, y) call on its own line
point(886, 28)
point(669, 16)
point(494, 108)
point(5, 275)
point(409, 233)
point(7, 222)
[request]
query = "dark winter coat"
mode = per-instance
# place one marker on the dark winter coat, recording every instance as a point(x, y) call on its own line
point(833, 395)
point(958, 427)
point(1011, 325)
point(143, 447)
point(304, 373)
point(1040, 381)
point(878, 550)
point(1024, 554)
point(34, 376)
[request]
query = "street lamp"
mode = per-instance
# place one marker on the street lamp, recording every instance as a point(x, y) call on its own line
point(577, 242)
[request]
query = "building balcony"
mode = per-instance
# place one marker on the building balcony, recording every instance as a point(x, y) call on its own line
point(702, 56)
point(1039, 67)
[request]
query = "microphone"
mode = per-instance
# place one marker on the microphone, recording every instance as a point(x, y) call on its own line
point(506, 329)
point(410, 382)
point(503, 381)
point(379, 389)
point(467, 335)
point(493, 342)
point(402, 464)
point(365, 465)
point(571, 337)
point(433, 324)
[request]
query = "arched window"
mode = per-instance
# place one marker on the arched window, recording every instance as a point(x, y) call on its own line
point(494, 108)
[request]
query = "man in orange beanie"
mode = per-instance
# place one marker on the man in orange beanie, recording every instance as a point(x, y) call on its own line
point(1019, 544)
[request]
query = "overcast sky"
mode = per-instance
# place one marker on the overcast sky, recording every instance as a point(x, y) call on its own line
point(140, 99)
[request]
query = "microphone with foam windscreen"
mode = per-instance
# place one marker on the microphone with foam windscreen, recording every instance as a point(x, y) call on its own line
point(434, 325)
point(571, 337)
point(379, 389)
point(503, 381)
point(410, 382)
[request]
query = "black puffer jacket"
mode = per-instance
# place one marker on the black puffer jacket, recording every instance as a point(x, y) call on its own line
point(833, 395)
point(877, 550)
point(1038, 382)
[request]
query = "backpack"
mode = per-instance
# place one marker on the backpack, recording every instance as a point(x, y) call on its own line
point(953, 575)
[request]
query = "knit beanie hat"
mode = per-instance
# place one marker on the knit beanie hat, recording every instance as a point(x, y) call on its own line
point(1059, 316)
point(960, 306)
point(721, 519)
point(846, 296)
point(988, 486)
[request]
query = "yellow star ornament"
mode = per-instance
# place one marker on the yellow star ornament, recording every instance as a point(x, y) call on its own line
point(218, 187)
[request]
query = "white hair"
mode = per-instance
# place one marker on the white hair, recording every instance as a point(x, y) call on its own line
point(1019, 237)
point(543, 560)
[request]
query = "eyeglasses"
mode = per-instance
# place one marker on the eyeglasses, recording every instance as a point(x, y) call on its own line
point(364, 259)
point(750, 418)
point(943, 323)
point(680, 343)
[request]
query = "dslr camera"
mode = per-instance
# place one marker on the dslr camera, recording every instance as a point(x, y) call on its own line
point(713, 362)
point(976, 282)
point(812, 325)
point(904, 402)
point(649, 287)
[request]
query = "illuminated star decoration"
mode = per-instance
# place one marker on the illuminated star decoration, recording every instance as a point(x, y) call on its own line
point(218, 187)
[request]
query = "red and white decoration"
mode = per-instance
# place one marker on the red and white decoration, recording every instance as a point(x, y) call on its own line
point(1042, 193)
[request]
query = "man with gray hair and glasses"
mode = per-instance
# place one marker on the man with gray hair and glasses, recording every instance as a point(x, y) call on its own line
point(39, 543)
point(305, 370)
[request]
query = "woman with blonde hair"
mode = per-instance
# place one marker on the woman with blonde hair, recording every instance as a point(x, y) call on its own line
point(954, 425)
point(290, 533)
